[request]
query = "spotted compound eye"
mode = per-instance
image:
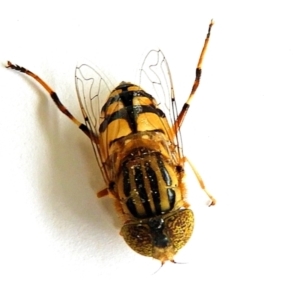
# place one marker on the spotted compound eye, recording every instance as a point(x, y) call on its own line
point(179, 228)
point(176, 229)
point(138, 238)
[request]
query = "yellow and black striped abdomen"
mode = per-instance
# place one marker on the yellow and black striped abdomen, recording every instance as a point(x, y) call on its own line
point(129, 112)
point(148, 185)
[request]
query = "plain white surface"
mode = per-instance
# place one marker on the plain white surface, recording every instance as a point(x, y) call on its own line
point(58, 241)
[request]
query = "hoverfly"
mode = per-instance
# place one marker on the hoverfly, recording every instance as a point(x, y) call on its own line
point(136, 139)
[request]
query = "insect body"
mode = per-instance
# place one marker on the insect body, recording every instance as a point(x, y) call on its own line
point(137, 143)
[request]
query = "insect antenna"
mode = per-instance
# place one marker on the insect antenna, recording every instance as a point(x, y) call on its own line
point(162, 263)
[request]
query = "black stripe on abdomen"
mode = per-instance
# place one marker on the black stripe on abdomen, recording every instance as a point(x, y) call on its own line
point(130, 114)
point(125, 97)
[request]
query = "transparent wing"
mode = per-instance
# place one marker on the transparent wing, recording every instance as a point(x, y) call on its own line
point(155, 78)
point(93, 89)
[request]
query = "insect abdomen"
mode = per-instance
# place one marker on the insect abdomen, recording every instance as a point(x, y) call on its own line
point(128, 112)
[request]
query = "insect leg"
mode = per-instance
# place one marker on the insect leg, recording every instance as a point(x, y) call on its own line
point(186, 106)
point(201, 182)
point(102, 193)
point(54, 97)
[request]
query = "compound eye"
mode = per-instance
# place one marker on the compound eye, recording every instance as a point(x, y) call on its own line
point(138, 238)
point(179, 227)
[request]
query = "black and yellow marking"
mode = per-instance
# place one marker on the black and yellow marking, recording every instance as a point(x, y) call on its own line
point(130, 114)
point(165, 175)
point(145, 185)
point(128, 102)
point(122, 93)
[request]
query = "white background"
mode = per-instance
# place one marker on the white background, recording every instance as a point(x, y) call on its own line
point(58, 241)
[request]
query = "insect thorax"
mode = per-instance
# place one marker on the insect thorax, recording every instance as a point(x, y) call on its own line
point(148, 184)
